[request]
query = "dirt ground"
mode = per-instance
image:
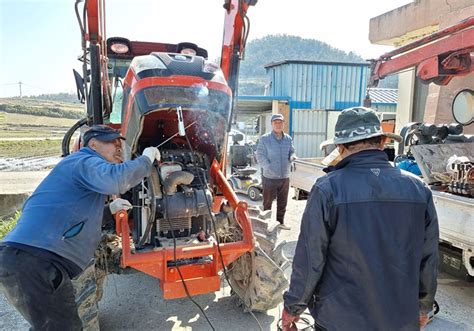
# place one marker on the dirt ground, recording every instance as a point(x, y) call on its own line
point(16, 182)
point(134, 302)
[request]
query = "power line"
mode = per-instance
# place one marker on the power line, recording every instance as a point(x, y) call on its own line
point(19, 85)
point(37, 87)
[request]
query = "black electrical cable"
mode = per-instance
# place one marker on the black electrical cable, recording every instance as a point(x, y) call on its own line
point(151, 218)
point(306, 321)
point(175, 259)
point(204, 186)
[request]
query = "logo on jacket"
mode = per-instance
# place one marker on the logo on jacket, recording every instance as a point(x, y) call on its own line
point(375, 171)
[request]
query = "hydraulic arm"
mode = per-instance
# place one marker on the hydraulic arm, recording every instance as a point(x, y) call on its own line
point(438, 57)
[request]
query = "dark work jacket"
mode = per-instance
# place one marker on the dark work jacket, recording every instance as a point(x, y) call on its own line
point(367, 252)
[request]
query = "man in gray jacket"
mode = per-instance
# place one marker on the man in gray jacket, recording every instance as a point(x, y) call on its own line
point(367, 253)
point(275, 152)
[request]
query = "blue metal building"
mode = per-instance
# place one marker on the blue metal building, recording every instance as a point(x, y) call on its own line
point(319, 85)
point(314, 90)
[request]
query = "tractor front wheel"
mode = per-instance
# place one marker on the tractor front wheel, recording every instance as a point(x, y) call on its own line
point(257, 278)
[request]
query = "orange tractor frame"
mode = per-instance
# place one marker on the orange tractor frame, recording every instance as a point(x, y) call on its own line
point(200, 277)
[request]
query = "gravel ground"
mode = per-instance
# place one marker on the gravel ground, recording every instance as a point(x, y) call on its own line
point(134, 302)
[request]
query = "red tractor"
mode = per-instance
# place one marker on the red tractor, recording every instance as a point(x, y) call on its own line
point(187, 228)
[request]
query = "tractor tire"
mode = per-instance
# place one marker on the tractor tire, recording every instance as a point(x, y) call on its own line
point(258, 278)
point(65, 144)
point(86, 291)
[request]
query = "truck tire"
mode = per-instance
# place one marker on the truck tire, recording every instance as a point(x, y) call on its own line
point(258, 278)
point(87, 287)
point(300, 194)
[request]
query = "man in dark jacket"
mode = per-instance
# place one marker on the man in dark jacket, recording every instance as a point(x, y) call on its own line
point(275, 152)
point(367, 252)
point(60, 228)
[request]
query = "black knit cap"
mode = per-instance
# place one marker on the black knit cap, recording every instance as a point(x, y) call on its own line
point(101, 132)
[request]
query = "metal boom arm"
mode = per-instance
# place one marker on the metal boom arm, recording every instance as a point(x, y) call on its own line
point(438, 57)
point(236, 28)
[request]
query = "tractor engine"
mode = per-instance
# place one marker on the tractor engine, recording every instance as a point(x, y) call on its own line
point(174, 201)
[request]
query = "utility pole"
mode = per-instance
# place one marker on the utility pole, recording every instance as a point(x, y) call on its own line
point(19, 84)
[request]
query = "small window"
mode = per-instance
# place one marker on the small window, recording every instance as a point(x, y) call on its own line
point(117, 99)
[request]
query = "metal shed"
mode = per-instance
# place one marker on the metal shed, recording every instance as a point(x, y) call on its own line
point(319, 85)
point(313, 88)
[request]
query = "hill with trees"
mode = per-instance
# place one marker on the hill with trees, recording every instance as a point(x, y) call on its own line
point(63, 97)
point(274, 48)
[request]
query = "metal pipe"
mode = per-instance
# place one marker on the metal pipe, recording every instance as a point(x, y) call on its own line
point(177, 133)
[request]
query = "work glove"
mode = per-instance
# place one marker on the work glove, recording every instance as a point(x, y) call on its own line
point(119, 204)
point(423, 320)
point(293, 157)
point(288, 321)
point(152, 153)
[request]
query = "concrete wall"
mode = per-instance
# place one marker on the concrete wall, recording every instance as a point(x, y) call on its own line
point(440, 99)
point(419, 18)
point(10, 203)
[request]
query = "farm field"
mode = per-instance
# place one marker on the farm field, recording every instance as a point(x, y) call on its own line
point(25, 118)
point(31, 132)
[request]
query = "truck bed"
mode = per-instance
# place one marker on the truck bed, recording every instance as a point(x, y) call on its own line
point(304, 173)
point(456, 218)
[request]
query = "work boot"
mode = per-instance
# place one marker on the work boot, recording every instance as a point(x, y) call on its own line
point(284, 226)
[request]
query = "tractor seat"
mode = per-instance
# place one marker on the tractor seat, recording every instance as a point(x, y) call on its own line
point(239, 155)
point(247, 171)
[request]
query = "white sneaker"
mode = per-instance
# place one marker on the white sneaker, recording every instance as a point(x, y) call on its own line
point(284, 227)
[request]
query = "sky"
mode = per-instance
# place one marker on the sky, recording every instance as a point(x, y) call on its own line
point(40, 39)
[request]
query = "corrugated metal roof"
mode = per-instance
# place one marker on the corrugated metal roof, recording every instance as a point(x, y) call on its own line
point(319, 85)
point(274, 64)
point(252, 105)
point(383, 95)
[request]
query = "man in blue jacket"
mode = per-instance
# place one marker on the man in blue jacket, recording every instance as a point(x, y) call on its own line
point(60, 228)
point(275, 152)
point(367, 253)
